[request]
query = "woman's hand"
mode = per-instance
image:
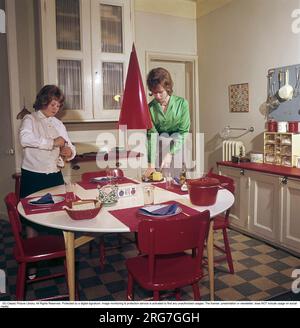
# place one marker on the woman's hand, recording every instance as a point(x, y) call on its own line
point(65, 152)
point(166, 162)
point(148, 172)
point(59, 142)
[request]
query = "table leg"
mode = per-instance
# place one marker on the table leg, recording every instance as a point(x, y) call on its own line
point(69, 242)
point(210, 257)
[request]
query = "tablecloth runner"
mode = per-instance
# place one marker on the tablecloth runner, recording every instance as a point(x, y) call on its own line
point(131, 218)
point(93, 185)
point(172, 188)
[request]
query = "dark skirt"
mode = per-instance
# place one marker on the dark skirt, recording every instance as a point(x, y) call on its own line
point(32, 181)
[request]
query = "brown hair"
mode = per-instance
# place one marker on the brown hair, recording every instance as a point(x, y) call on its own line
point(160, 76)
point(46, 95)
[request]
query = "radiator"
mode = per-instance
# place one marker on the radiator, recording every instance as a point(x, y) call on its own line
point(232, 148)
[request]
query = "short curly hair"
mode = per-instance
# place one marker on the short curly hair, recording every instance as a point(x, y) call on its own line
point(160, 76)
point(46, 95)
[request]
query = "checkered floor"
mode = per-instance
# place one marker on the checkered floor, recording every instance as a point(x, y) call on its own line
point(261, 272)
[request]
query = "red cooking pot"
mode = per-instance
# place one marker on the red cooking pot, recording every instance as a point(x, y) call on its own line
point(203, 191)
point(293, 127)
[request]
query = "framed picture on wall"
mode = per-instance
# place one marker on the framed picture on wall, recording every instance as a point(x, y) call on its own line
point(239, 98)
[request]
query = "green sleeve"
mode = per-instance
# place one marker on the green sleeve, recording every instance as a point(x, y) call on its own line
point(151, 144)
point(184, 128)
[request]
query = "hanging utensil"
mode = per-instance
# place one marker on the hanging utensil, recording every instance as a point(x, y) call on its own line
point(286, 91)
point(297, 85)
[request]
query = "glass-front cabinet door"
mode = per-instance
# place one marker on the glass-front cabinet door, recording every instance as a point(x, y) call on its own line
point(85, 51)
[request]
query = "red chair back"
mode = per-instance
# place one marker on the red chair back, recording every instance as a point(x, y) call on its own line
point(116, 172)
point(170, 236)
point(14, 219)
point(226, 182)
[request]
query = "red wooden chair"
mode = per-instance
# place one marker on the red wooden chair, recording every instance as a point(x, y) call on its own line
point(164, 264)
point(17, 178)
point(221, 222)
point(116, 172)
point(32, 250)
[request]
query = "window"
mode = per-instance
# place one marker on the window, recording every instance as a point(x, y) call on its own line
point(86, 46)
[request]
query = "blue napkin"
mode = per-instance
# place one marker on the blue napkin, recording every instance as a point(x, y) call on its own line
point(159, 210)
point(99, 179)
point(46, 199)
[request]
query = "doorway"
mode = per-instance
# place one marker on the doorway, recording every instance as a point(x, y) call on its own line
point(184, 72)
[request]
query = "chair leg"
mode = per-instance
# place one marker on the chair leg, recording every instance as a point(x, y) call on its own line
point(20, 288)
point(196, 291)
point(156, 295)
point(177, 294)
point(228, 251)
point(130, 295)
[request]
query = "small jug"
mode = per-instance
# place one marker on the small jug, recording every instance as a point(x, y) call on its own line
point(108, 194)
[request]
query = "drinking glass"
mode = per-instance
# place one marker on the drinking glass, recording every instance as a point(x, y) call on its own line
point(70, 192)
point(148, 195)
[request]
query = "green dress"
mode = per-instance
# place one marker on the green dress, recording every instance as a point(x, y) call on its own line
point(176, 120)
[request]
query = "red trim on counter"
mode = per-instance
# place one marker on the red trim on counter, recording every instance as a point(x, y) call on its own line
point(291, 172)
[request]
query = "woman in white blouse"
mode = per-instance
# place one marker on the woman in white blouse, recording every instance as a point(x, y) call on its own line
point(45, 143)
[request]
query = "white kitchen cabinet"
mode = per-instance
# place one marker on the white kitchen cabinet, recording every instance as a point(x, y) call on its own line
point(239, 210)
point(290, 219)
point(264, 205)
point(86, 46)
point(267, 206)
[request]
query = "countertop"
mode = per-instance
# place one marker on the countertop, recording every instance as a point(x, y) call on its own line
point(291, 172)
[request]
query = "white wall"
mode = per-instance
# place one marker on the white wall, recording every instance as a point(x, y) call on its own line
point(163, 33)
point(238, 43)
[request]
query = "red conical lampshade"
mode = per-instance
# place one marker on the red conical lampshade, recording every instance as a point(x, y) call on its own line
point(134, 110)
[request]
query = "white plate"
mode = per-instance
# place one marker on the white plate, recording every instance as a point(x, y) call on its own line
point(56, 199)
point(178, 210)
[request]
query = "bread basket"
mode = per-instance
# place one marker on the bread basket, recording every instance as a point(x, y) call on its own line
point(83, 214)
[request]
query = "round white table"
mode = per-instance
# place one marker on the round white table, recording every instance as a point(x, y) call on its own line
point(106, 222)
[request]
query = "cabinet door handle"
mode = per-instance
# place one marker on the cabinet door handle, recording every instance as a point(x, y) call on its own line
point(118, 164)
point(284, 180)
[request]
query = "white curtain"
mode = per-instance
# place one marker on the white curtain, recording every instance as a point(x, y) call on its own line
point(112, 85)
point(69, 80)
point(68, 24)
point(111, 28)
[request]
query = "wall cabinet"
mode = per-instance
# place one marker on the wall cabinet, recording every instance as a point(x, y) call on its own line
point(86, 46)
point(266, 206)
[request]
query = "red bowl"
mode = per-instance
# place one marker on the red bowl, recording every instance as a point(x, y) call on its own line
point(203, 191)
point(83, 214)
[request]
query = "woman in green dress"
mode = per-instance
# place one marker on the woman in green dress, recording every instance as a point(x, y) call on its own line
point(170, 117)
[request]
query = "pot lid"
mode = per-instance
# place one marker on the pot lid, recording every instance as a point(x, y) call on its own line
point(204, 182)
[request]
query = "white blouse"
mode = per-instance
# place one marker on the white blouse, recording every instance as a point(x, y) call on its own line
point(37, 134)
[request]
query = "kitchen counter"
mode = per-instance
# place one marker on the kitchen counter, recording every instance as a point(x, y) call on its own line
point(291, 172)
